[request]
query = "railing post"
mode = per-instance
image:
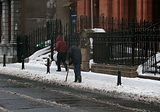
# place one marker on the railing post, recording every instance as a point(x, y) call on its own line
point(53, 34)
point(108, 48)
point(143, 67)
point(103, 22)
point(26, 45)
point(122, 37)
point(112, 24)
point(48, 30)
point(133, 43)
point(56, 30)
point(36, 37)
point(4, 60)
point(60, 28)
point(86, 22)
point(81, 22)
point(155, 64)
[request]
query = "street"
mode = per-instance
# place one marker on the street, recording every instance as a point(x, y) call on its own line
point(22, 95)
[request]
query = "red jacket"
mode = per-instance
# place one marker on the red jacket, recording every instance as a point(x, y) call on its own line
point(61, 45)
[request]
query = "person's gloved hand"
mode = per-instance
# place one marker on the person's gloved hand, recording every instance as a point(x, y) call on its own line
point(70, 63)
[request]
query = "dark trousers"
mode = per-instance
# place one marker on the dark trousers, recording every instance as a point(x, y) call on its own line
point(61, 57)
point(77, 69)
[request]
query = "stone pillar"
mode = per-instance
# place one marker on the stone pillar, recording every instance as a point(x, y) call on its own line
point(15, 14)
point(85, 51)
point(9, 49)
point(4, 21)
point(4, 38)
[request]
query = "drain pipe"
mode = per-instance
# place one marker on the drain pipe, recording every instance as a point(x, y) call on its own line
point(91, 14)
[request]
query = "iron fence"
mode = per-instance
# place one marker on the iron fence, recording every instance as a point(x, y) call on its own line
point(124, 49)
point(38, 39)
point(124, 42)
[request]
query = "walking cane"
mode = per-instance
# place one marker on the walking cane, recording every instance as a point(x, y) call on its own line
point(67, 73)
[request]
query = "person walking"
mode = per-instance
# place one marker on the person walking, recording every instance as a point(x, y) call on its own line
point(75, 57)
point(61, 48)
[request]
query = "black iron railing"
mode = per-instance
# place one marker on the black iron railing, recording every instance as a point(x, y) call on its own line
point(123, 43)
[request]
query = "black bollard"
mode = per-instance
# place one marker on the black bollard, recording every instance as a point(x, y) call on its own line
point(119, 78)
point(4, 60)
point(48, 69)
point(22, 62)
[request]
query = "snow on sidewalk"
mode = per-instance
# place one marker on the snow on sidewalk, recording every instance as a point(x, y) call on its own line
point(133, 88)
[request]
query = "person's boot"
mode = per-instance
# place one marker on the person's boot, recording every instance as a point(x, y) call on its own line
point(59, 68)
point(79, 79)
point(66, 68)
point(75, 78)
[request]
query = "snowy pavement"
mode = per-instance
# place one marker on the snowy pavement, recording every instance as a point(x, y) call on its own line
point(139, 89)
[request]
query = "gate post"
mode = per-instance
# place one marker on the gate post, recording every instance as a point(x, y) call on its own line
point(133, 43)
point(85, 50)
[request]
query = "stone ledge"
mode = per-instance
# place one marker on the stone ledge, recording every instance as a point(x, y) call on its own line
point(126, 71)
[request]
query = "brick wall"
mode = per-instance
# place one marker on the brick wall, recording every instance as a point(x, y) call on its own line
point(127, 9)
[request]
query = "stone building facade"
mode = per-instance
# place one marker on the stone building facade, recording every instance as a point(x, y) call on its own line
point(10, 13)
point(21, 17)
point(63, 11)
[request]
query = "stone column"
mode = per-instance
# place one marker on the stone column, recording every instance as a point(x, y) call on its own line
point(15, 14)
point(9, 49)
point(4, 38)
point(4, 21)
point(85, 50)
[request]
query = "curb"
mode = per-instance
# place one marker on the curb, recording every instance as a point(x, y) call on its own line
point(149, 77)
